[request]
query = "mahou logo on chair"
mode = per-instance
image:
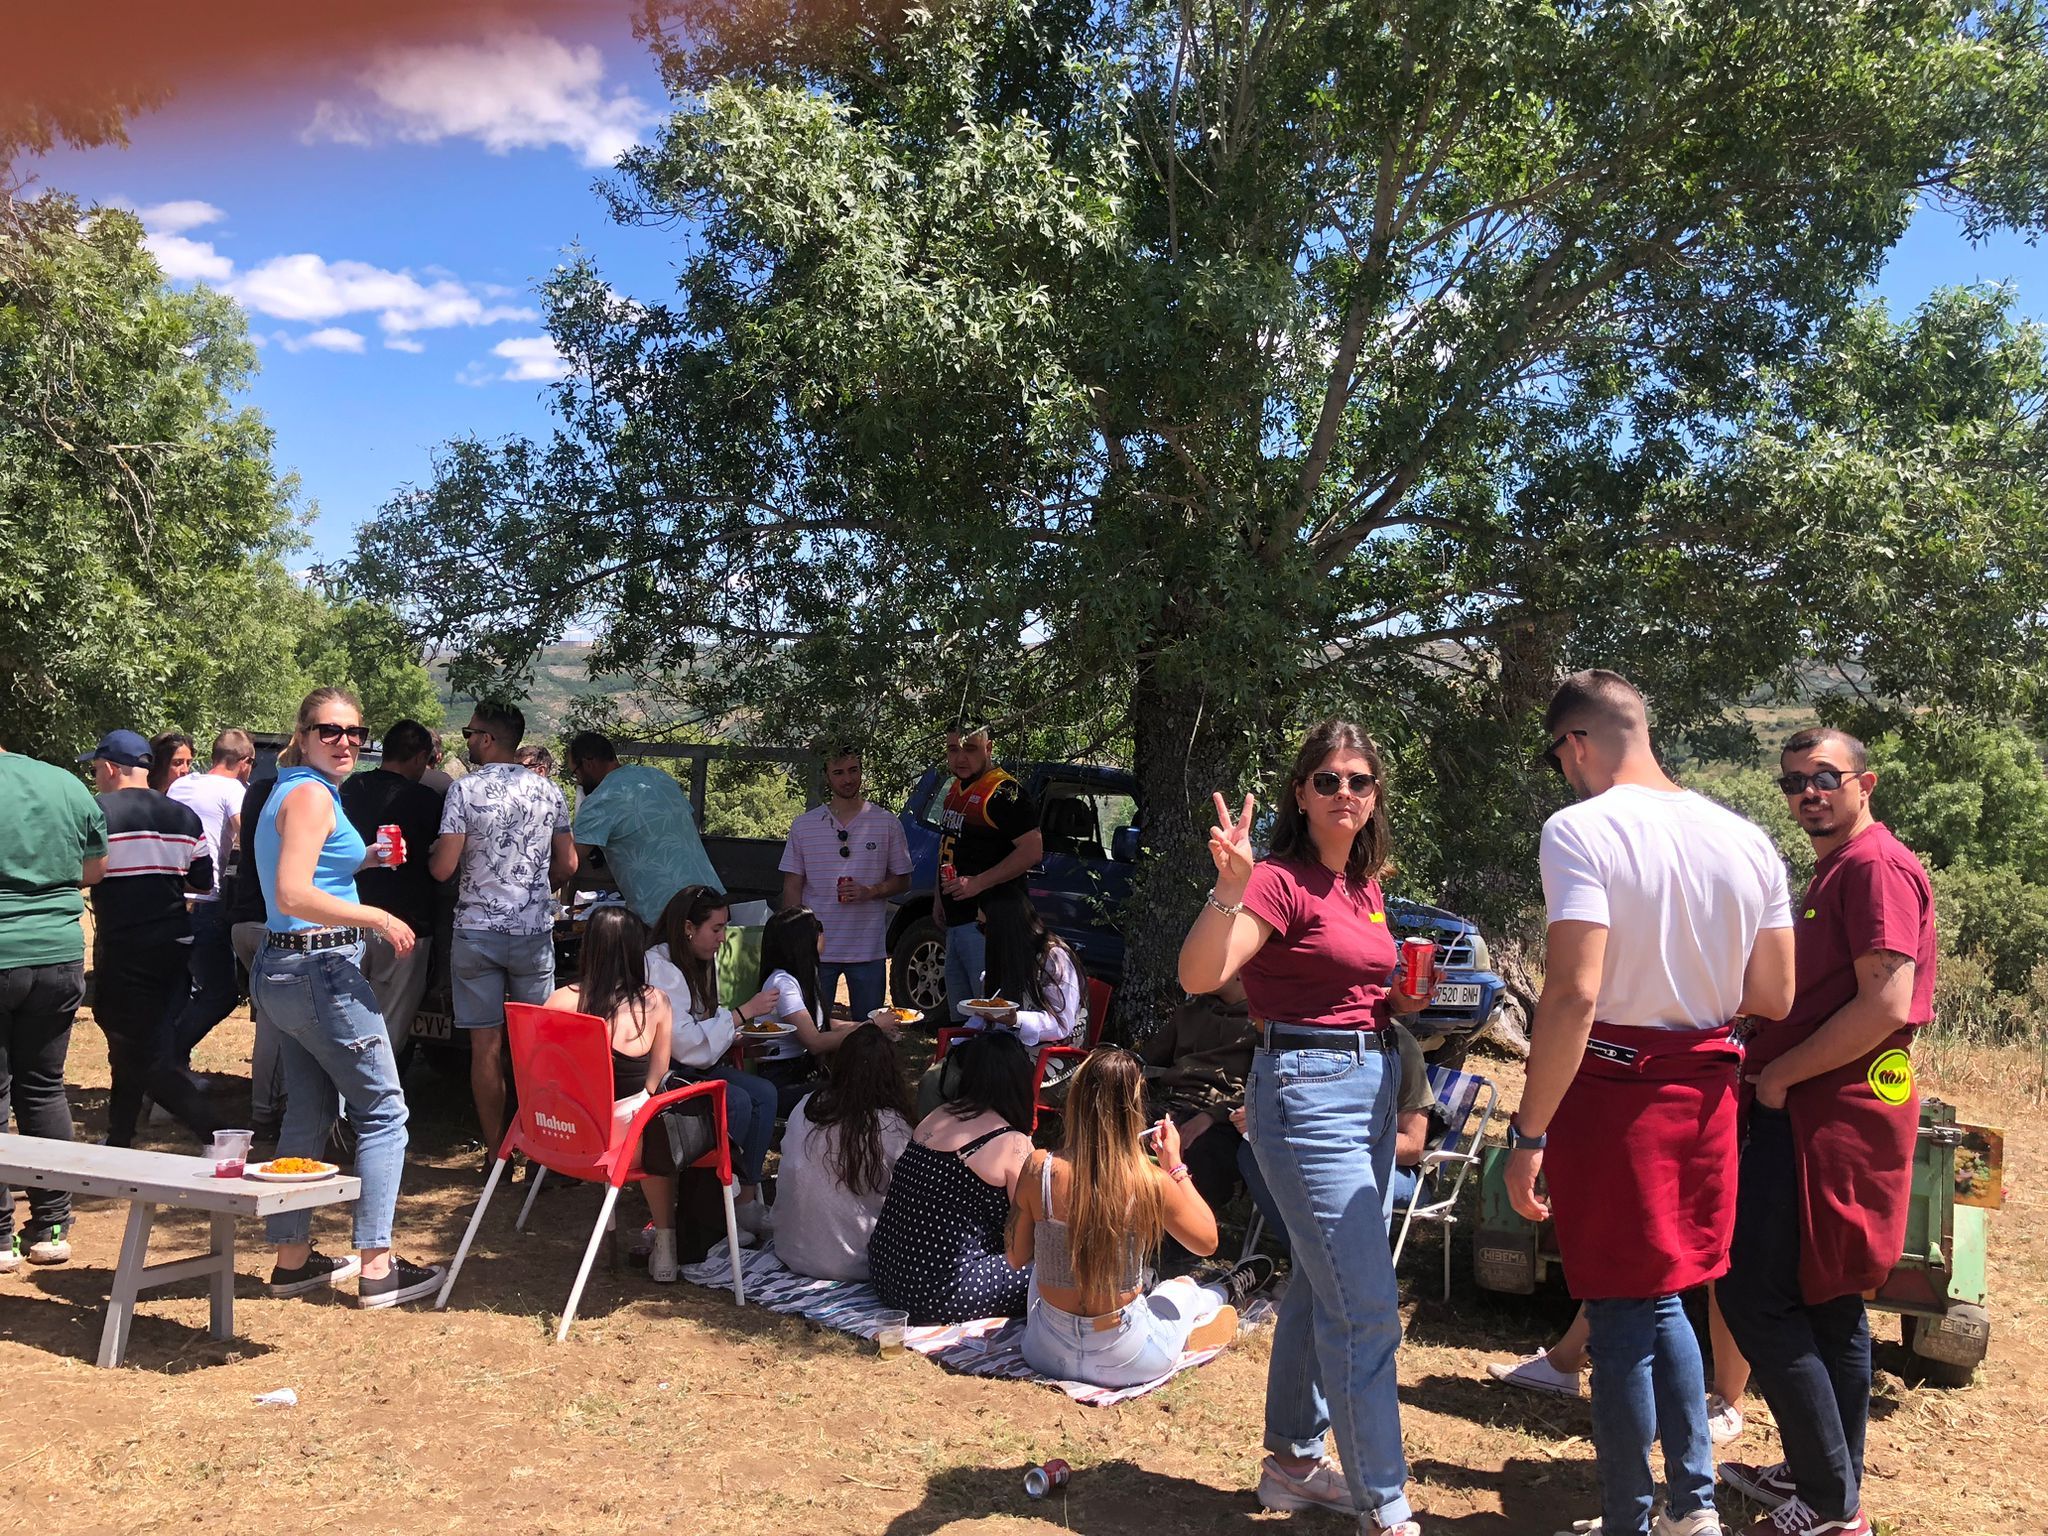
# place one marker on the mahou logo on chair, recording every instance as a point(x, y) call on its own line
point(544, 1121)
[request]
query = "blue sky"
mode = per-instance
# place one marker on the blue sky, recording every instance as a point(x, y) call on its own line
point(386, 226)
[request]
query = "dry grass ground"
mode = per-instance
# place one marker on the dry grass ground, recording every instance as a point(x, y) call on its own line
point(669, 1409)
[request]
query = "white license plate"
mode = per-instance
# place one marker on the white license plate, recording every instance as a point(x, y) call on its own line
point(432, 1026)
point(1455, 994)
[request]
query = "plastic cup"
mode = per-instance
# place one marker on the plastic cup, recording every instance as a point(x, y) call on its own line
point(231, 1153)
point(889, 1336)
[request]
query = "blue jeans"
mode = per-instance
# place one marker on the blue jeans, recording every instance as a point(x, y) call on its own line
point(1151, 1333)
point(1321, 1124)
point(333, 1042)
point(966, 954)
point(866, 981)
point(1648, 1385)
point(749, 1114)
point(214, 991)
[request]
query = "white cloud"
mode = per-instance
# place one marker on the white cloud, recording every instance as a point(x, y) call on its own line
point(527, 360)
point(310, 288)
point(174, 218)
point(403, 344)
point(188, 260)
point(329, 338)
point(522, 91)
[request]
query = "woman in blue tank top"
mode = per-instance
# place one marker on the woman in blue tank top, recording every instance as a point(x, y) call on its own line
point(308, 981)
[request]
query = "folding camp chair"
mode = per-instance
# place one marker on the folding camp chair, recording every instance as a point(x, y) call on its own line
point(562, 1062)
point(1465, 1101)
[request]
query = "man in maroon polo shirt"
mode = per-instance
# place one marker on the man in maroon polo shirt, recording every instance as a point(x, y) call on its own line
point(1827, 1161)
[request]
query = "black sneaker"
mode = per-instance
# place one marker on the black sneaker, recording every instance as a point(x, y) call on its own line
point(1246, 1279)
point(320, 1272)
point(402, 1282)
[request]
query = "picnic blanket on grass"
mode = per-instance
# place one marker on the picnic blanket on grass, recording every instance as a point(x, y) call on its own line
point(992, 1346)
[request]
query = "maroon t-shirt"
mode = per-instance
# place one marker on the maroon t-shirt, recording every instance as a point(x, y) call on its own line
point(1331, 956)
point(1869, 894)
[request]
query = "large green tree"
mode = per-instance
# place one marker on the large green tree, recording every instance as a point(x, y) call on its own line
point(1165, 373)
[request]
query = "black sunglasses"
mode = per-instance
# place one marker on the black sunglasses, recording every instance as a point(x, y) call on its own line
point(844, 851)
point(331, 734)
point(1550, 752)
point(1827, 779)
point(1327, 783)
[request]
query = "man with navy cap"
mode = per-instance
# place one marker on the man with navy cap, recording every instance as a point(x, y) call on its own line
point(157, 850)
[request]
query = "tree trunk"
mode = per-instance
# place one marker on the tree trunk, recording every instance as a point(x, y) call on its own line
point(1182, 752)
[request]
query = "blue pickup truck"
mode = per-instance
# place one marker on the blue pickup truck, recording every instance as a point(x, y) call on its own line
point(1090, 817)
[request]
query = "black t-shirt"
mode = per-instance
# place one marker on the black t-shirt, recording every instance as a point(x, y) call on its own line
point(157, 851)
point(979, 828)
point(244, 893)
point(370, 800)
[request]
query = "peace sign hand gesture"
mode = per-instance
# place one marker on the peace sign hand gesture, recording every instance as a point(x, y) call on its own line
point(1230, 845)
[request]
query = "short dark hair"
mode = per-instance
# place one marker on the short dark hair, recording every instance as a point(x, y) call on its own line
point(233, 746)
point(503, 720)
point(843, 751)
point(966, 726)
point(1816, 735)
point(406, 740)
point(1599, 695)
point(592, 747)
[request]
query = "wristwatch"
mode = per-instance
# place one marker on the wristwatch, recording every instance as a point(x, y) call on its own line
point(1518, 1142)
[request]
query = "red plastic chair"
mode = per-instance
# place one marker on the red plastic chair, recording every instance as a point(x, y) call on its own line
point(1100, 995)
point(562, 1062)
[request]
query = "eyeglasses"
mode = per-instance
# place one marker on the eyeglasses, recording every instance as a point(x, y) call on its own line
point(1550, 753)
point(1827, 780)
point(1327, 783)
point(331, 734)
point(844, 851)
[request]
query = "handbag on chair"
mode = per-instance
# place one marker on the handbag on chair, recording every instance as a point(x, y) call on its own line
point(677, 1137)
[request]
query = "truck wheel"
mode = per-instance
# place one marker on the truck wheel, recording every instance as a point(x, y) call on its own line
point(917, 970)
point(1951, 1346)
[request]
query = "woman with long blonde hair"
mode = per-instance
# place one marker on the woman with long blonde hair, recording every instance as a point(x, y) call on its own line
point(1089, 1218)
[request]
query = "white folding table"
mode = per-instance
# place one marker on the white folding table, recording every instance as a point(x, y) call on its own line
point(147, 1180)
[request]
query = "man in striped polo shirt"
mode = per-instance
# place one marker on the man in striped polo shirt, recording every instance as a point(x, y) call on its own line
point(844, 860)
point(157, 851)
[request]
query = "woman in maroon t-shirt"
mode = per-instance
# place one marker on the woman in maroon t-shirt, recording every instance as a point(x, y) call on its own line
point(1307, 933)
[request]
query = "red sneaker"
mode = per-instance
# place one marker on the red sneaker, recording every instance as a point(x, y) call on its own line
point(1795, 1517)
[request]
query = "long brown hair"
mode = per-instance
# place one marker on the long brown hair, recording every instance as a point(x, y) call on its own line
point(1291, 840)
point(1115, 1202)
point(612, 973)
point(867, 1080)
point(691, 907)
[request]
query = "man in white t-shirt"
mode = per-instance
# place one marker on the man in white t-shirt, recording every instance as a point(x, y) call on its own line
point(215, 796)
point(1669, 918)
point(844, 860)
point(505, 830)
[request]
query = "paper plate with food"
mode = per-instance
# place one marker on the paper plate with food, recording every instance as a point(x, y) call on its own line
point(766, 1029)
point(991, 1010)
point(899, 1017)
point(292, 1170)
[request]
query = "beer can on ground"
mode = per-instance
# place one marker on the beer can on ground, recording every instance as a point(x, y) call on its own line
point(390, 844)
point(1040, 1481)
point(845, 888)
point(1418, 961)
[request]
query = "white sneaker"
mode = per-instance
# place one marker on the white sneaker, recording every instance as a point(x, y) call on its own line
point(755, 1217)
point(1724, 1419)
point(1321, 1487)
point(1701, 1522)
point(661, 1261)
point(1535, 1373)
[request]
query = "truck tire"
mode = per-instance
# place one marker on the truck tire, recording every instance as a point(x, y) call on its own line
point(917, 970)
point(1952, 1346)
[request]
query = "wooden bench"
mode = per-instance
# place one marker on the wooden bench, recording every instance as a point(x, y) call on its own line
point(147, 1180)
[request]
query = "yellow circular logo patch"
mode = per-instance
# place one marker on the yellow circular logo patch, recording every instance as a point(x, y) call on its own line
point(1891, 1077)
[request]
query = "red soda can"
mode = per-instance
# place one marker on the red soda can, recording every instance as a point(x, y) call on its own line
point(946, 875)
point(1040, 1481)
point(1418, 967)
point(845, 888)
point(390, 845)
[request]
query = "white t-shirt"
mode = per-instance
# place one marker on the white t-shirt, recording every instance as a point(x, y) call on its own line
point(789, 1001)
point(214, 798)
point(821, 1227)
point(1682, 885)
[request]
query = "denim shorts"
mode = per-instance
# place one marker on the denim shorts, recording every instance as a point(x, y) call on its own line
point(487, 970)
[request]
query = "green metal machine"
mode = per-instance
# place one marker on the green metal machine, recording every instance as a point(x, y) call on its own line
point(1938, 1285)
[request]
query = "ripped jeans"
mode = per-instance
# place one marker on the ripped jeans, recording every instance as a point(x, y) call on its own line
point(333, 1042)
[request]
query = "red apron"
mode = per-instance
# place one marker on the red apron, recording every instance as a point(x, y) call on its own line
point(1641, 1162)
point(1855, 1154)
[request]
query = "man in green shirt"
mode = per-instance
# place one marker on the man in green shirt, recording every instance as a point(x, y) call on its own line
point(637, 823)
point(53, 842)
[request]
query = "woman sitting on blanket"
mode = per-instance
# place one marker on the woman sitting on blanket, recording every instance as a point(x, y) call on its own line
point(937, 1250)
point(1087, 1220)
point(611, 982)
point(838, 1152)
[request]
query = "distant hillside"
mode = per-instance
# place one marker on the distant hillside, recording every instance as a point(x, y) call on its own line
point(560, 675)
